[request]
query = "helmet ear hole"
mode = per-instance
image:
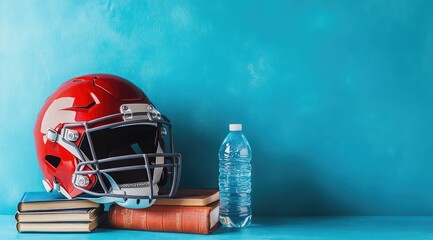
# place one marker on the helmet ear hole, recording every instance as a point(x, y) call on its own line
point(52, 160)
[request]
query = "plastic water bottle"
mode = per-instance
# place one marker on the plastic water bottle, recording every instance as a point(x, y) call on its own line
point(235, 178)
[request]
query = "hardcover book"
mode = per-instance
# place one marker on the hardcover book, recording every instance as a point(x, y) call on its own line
point(59, 227)
point(191, 197)
point(74, 215)
point(185, 219)
point(44, 201)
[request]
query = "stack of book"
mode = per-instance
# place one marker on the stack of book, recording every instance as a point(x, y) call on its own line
point(51, 212)
point(190, 211)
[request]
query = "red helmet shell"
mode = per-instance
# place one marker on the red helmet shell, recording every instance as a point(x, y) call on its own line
point(80, 99)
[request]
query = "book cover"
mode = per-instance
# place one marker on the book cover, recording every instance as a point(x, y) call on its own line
point(191, 197)
point(44, 201)
point(184, 219)
point(72, 215)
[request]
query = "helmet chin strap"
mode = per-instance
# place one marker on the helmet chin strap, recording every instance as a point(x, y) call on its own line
point(126, 202)
point(132, 203)
point(140, 191)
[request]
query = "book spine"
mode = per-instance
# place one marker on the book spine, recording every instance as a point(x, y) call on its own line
point(162, 218)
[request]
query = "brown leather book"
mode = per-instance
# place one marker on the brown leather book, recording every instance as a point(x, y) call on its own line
point(184, 219)
point(191, 197)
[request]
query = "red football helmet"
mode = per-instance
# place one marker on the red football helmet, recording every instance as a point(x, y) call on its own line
point(99, 137)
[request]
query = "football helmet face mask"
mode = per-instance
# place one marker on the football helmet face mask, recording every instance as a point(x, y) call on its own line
point(100, 138)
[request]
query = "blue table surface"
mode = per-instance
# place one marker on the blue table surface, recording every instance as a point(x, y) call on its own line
point(265, 228)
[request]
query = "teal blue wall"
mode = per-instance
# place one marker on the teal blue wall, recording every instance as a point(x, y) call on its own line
point(335, 96)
